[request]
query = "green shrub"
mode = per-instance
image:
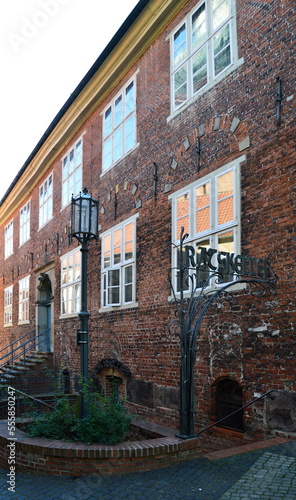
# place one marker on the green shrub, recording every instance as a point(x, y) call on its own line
point(106, 422)
point(55, 425)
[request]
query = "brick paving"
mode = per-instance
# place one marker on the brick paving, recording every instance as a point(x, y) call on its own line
point(244, 473)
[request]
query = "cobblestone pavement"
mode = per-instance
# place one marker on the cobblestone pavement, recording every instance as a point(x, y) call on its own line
point(266, 474)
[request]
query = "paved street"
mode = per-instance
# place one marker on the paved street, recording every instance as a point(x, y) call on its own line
point(266, 474)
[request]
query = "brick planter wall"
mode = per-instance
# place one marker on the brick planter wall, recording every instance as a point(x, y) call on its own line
point(60, 458)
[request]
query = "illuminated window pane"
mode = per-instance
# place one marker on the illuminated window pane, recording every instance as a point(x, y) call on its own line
point(202, 200)
point(182, 214)
point(225, 198)
point(117, 246)
point(129, 237)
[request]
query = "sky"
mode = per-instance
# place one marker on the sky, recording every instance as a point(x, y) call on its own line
point(46, 48)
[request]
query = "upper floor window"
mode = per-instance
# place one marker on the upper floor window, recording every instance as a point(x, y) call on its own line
point(25, 223)
point(119, 126)
point(45, 201)
point(202, 48)
point(8, 305)
point(24, 285)
point(119, 264)
point(72, 173)
point(209, 212)
point(70, 282)
point(8, 240)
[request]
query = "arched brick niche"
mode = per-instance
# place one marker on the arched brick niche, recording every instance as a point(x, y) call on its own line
point(112, 378)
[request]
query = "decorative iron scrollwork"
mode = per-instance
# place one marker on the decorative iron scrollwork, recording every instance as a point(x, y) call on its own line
point(193, 300)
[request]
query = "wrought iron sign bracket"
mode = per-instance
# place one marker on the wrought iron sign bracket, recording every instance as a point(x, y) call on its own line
point(193, 301)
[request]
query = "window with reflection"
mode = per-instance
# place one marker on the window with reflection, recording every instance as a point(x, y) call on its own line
point(8, 305)
point(8, 240)
point(24, 293)
point(119, 264)
point(202, 48)
point(72, 173)
point(119, 126)
point(25, 223)
point(209, 211)
point(70, 282)
point(45, 201)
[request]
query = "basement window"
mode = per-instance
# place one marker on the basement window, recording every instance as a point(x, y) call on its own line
point(229, 398)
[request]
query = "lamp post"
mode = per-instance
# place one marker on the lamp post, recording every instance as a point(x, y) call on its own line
point(84, 227)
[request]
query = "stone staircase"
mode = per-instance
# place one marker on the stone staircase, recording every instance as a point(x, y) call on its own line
point(33, 362)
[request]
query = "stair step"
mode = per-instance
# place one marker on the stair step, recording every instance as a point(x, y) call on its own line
point(7, 376)
point(19, 368)
point(32, 358)
point(16, 369)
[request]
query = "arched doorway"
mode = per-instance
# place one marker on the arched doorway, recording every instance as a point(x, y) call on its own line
point(44, 313)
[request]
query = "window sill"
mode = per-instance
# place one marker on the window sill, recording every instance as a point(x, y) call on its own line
point(24, 242)
point(132, 305)
point(47, 222)
point(120, 159)
point(239, 287)
point(206, 88)
point(69, 316)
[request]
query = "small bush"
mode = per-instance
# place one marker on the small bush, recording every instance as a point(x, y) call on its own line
point(55, 425)
point(106, 422)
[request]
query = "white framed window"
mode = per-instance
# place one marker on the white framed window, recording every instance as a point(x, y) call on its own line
point(209, 212)
point(45, 201)
point(119, 126)
point(8, 305)
point(72, 173)
point(203, 48)
point(118, 280)
point(8, 240)
point(24, 293)
point(25, 223)
point(70, 282)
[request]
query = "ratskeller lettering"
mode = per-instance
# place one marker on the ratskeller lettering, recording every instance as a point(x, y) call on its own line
point(228, 263)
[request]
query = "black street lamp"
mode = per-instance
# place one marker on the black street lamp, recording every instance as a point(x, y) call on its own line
point(84, 227)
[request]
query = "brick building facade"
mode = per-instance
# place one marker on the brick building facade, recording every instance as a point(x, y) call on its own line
point(187, 119)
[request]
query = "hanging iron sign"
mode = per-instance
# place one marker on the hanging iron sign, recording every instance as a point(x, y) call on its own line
point(227, 263)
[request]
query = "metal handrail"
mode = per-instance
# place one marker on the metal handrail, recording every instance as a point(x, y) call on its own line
point(29, 397)
point(23, 348)
point(15, 341)
point(234, 412)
